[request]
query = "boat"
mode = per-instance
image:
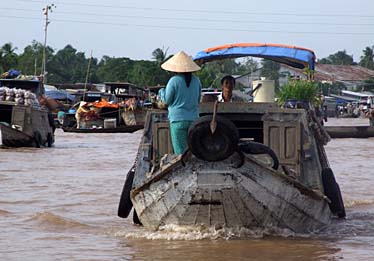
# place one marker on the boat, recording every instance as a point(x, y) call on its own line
point(23, 122)
point(119, 129)
point(123, 114)
point(262, 166)
point(350, 131)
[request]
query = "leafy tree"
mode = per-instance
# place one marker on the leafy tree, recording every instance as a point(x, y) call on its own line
point(367, 59)
point(160, 55)
point(148, 73)
point(68, 66)
point(30, 61)
point(114, 69)
point(339, 58)
point(368, 85)
point(8, 57)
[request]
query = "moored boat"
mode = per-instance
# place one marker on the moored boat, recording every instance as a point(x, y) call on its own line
point(262, 166)
point(23, 122)
point(350, 131)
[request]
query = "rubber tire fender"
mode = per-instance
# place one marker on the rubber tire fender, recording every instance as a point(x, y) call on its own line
point(49, 140)
point(37, 139)
point(251, 147)
point(332, 191)
point(212, 147)
point(125, 203)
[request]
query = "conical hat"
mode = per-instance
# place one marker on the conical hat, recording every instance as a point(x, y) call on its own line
point(180, 63)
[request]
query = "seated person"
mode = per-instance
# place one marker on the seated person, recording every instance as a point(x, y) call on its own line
point(228, 85)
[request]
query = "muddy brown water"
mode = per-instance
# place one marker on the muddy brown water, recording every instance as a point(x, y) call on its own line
point(61, 203)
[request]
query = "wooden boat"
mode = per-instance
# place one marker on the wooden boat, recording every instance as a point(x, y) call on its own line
point(350, 131)
point(262, 167)
point(126, 120)
point(24, 125)
point(119, 129)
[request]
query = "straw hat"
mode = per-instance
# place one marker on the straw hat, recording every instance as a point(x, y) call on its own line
point(180, 63)
point(83, 103)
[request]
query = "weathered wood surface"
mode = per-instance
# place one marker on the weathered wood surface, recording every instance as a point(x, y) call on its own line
point(216, 194)
point(30, 121)
point(190, 191)
point(15, 138)
point(350, 131)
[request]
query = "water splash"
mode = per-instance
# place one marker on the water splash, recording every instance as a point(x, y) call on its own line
point(200, 232)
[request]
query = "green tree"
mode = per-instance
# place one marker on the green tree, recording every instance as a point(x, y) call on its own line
point(114, 69)
point(147, 73)
point(367, 59)
point(30, 61)
point(160, 55)
point(270, 70)
point(68, 66)
point(339, 58)
point(8, 57)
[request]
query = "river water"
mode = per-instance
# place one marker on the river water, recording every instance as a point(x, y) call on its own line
point(61, 203)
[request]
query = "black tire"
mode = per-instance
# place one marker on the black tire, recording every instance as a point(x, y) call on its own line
point(49, 140)
point(251, 147)
point(125, 204)
point(332, 191)
point(136, 219)
point(212, 147)
point(37, 139)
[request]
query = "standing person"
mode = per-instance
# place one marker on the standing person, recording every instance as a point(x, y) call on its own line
point(81, 114)
point(228, 85)
point(182, 96)
point(370, 115)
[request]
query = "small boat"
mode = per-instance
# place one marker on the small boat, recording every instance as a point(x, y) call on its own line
point(350, 131)
point(122, 114)
point(262, 167)
point(22, 123)
point(119, 129)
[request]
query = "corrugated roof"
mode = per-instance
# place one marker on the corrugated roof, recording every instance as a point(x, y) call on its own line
point(329, 72)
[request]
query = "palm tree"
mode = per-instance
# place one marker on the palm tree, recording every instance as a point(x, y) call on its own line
point(367, 60)
point(8, 57)
point(160, 55)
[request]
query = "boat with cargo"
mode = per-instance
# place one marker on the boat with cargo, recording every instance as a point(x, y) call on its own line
point(123, 112)
point(23, 121)
point(248, 164)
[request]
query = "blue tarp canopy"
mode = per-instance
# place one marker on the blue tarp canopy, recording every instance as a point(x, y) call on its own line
point(59, 95)
point(293, 56)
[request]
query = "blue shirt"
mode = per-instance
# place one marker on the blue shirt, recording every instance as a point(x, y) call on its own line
point(182, 101)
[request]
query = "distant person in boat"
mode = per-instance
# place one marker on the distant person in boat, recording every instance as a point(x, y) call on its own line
point(80, 114)
point(228, 85)
point(370, 115)
point(181, 95)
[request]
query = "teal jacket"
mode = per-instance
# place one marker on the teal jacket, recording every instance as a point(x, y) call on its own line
point(183, 102)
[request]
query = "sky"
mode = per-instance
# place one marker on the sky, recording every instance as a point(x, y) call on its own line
point(135, 28)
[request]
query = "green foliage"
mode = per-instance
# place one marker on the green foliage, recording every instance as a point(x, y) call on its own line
point(334, 88)
point(339, 58)
point(8, 58)
point(368, 85)
point(270, 70)
point(367, 59)
point(302, 90)
point(70, 66)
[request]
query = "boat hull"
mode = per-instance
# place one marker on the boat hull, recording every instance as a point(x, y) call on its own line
point(350, 131)
point(219, 195)
point(14, 138)
point(120, 129)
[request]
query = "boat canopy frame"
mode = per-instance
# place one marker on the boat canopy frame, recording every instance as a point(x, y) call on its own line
point(294, 56)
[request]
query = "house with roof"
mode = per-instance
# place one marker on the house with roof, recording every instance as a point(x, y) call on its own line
point(352, 76)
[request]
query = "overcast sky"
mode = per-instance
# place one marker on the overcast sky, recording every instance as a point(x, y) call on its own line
point(135, 28)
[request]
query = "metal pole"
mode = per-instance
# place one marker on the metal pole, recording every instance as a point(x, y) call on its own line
point(46, 12)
